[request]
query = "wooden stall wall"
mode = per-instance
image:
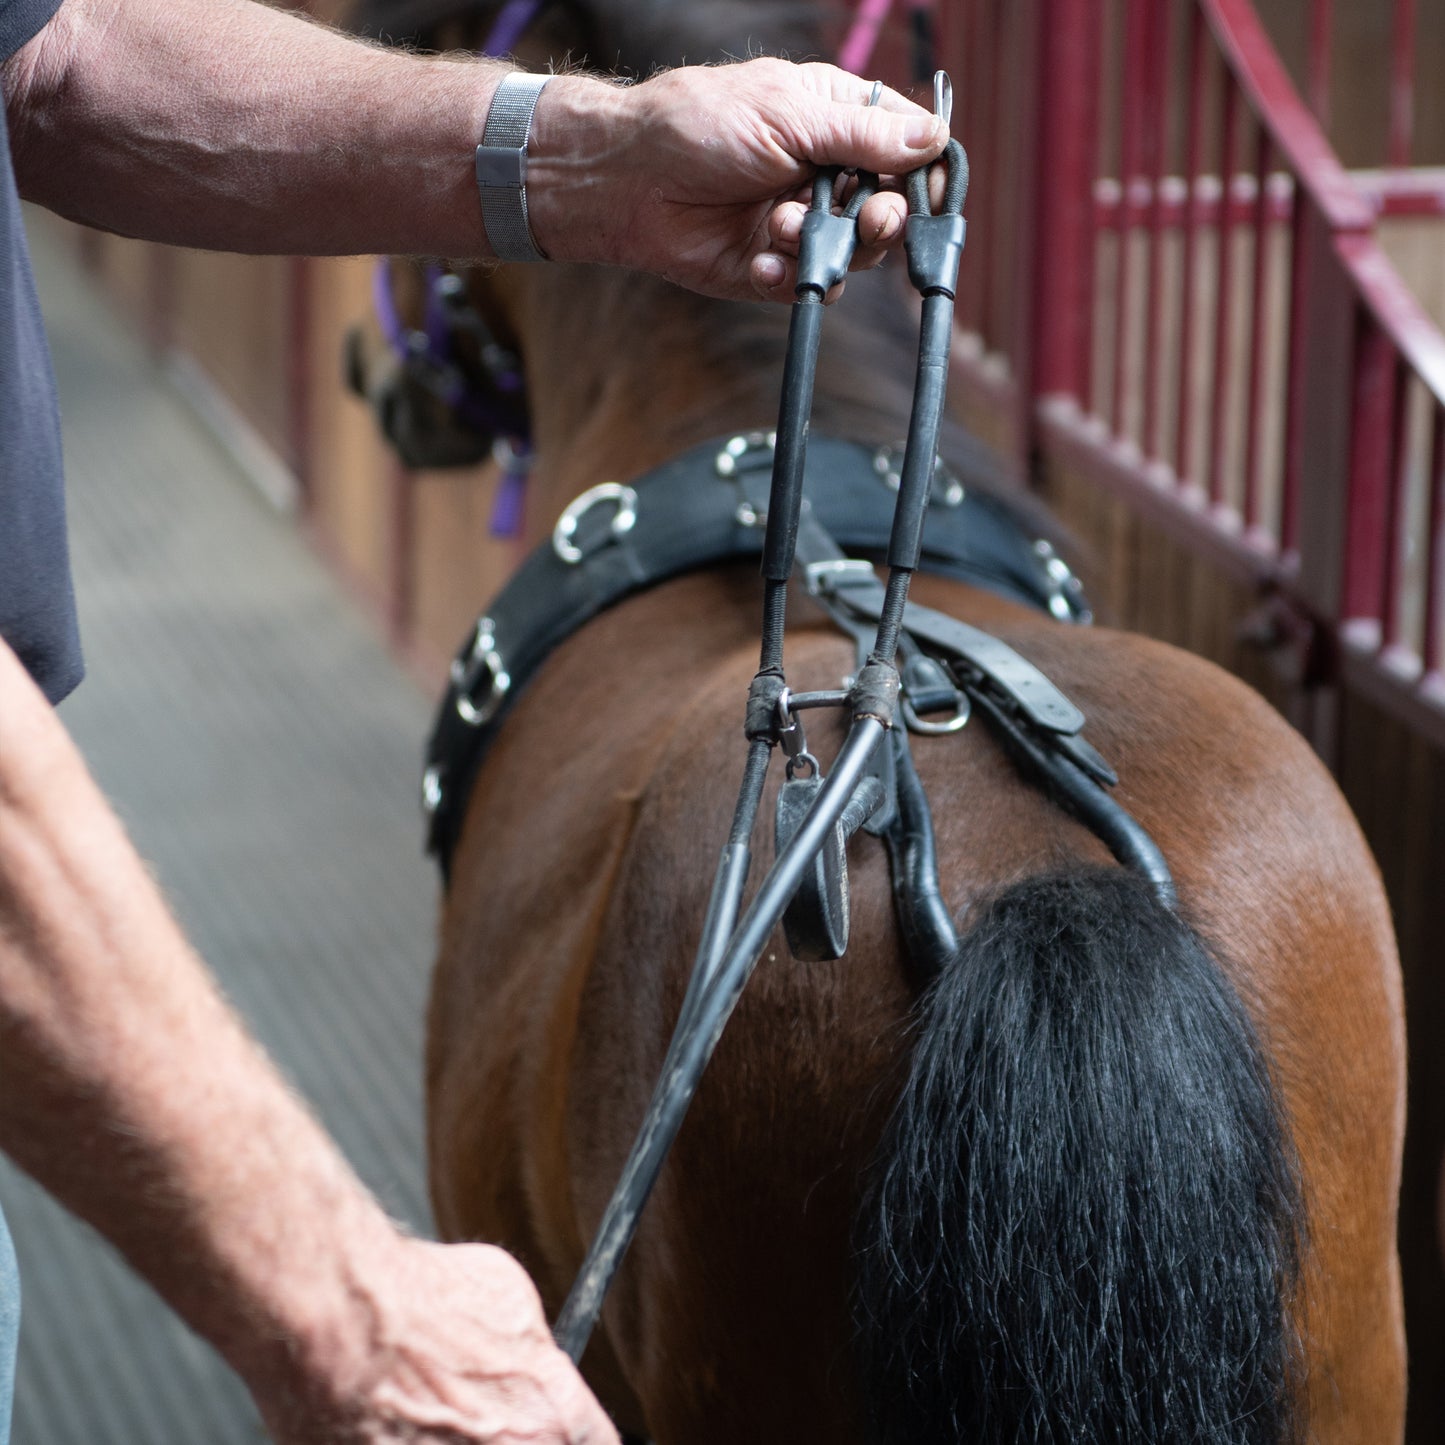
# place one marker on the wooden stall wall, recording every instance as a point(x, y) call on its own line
point(1395, 781)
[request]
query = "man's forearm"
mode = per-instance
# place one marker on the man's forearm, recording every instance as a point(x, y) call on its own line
point(228, 125)
point(129, 1090)
point(224, 124)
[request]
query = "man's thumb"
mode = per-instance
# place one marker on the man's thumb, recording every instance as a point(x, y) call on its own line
point(877, 139)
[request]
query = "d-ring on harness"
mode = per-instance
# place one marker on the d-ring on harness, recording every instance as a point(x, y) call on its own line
point(1039, 723)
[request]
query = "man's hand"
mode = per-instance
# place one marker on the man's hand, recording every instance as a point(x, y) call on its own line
point(452, 1349)
point(700, 174)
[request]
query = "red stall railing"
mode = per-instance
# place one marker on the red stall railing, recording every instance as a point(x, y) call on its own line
point(1193, 307)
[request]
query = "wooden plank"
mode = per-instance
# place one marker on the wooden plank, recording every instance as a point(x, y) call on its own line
point(350, 468)
point(232, 314)
point(1396, 784)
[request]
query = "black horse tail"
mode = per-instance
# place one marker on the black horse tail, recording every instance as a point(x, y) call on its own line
point(1086, 1221)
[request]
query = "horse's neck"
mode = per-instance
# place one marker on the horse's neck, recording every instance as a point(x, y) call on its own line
point(615, 396)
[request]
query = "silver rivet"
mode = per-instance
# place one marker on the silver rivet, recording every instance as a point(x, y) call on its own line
point(737, 446)
point(953, 494)
point(1043, 548)
point(1058, 569)
point(726, 465)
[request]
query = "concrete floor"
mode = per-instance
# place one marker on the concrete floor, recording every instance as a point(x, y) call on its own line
point(264, 751)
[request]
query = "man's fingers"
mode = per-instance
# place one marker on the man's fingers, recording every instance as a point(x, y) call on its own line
point(875, 139)
point(785, 226)
point(881, 220)
point(849, 89)
point(773, 276)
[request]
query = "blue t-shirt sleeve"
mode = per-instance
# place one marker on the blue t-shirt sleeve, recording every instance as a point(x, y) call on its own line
point(20, 19)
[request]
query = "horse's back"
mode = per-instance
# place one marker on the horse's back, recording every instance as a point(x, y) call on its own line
point(580, 887)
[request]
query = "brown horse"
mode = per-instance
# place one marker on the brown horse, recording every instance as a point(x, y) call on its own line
point(1101, 1180)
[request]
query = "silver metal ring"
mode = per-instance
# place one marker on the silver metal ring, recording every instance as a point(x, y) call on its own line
point(483, 661)
point(962, 711)
point(623, 520)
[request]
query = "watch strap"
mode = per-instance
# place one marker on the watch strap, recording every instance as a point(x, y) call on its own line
point(501, 163)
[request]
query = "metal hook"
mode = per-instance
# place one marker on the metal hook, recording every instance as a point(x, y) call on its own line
point(942, 96)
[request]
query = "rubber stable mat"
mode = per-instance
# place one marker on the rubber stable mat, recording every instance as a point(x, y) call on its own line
point(264, 752)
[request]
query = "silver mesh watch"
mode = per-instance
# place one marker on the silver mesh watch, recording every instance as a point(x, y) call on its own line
point(502, 167)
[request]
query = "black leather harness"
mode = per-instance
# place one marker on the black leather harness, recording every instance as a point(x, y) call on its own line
point(705, 507)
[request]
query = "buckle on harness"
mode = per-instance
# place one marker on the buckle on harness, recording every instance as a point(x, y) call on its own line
point(826, 577)
point(482, 662)
point(623, 520)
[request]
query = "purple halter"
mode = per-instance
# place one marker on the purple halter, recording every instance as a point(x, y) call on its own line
point(432, 346)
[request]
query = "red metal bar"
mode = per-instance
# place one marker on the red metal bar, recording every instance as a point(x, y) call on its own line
point(1184, 428)
point(1058, 277)
point(1372, 408)
point(1418, 191)
point(1319, 61)
point(1298, 374)
point(1402, 83)
point(1112, 211)
point(1258, 335)
point(1397, 477)
point(1131, 128)
point(1251, 56)
point(972, 280)
point(1395, 308)
point(1156, 130)
point(990, 119)
point(1432, 649)
point(1088, 237)
point(1224, 281)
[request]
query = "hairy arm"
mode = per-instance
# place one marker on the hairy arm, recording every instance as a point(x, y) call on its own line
point(228, 125)
point(129, 1090)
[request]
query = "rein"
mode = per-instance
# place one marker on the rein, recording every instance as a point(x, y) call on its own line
point(814, 822)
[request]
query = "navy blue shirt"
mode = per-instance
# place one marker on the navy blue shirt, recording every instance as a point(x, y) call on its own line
point(37, 602)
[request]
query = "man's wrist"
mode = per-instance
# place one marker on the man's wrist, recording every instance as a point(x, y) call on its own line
point(577, 169)
point(318, 1331)
point(501, 167)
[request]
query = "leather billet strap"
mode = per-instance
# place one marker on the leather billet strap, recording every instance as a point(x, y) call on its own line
point(705, 507)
